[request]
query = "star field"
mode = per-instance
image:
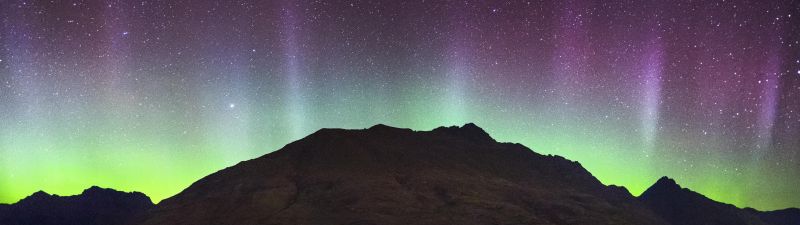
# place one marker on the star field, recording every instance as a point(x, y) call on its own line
point(153, 95)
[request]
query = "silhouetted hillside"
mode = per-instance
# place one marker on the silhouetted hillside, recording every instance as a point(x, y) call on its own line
point(386, 175)
point(94, 206)
point(683, 206)
point(789, 216)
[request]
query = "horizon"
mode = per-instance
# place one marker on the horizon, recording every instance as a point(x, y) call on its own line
point(156, 201)
point(151, 96)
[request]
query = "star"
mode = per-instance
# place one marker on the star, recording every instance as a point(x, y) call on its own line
point(314, 66)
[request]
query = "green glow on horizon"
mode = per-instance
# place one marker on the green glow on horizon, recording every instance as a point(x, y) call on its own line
point(95, 94)
point(160, 159)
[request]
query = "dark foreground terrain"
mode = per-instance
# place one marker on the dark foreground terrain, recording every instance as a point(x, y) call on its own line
point(386, 175)
point(682, 206)
point(95, 206)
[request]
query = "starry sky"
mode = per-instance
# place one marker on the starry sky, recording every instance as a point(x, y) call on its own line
point(153, 95)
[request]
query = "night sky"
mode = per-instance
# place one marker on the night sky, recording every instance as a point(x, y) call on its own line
point(153, 95)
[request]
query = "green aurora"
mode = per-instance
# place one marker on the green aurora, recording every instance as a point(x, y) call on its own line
point(152, 96)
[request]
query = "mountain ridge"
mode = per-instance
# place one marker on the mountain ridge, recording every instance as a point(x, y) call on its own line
point(684, 206)
point(389, 175)
point(386, 175)
point(95, 205)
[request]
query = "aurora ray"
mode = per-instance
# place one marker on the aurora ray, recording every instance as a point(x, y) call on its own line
point(152, 95)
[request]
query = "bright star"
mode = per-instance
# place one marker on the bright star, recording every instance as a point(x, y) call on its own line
point(232, 105)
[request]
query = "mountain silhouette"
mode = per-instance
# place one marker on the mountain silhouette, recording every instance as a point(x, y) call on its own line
point(789, 216)
point(683, 206)
point(387, 175)
point(95, 205)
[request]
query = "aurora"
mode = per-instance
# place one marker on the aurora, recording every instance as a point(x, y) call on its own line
point(152, 95)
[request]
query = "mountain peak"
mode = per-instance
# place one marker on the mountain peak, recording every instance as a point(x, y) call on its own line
point(381, 126)
point(95, 205)
point(474, 128)
point(680, 205)
point(95, 189)
point(388, 175)
point(469, 131)
point(666, 183)
point(36, 198)
point(39, 195)
point(664, 186)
